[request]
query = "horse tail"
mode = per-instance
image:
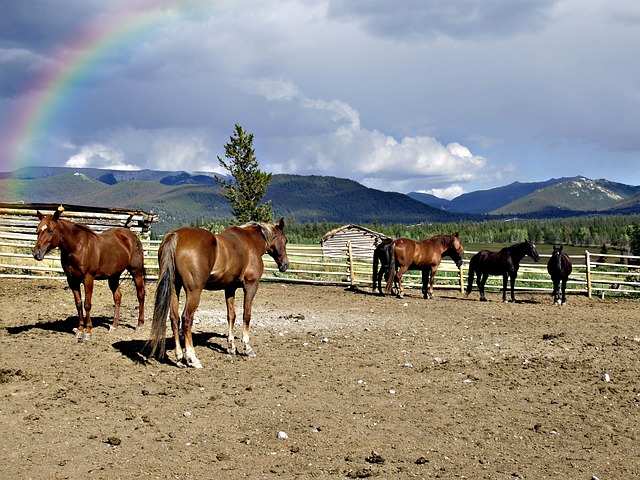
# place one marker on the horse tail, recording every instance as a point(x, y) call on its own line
point(166, 287)
point(392, 270)
point(472, 264)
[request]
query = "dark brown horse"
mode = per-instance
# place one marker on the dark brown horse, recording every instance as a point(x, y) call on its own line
point(407, 254)
point(381, 257)
point(559, 267)
point(87, 256)
point(506, 262)
point(196, 259)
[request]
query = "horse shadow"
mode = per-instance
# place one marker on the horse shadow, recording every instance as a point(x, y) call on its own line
point(139, 351)
point(64, 325)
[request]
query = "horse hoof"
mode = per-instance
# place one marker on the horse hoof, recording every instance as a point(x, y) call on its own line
point(86, 337)
point(138, 329)
point(195, 364)
point(250, 354)
point(112, 328)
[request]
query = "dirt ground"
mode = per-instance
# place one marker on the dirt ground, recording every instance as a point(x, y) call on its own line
point(362, 386)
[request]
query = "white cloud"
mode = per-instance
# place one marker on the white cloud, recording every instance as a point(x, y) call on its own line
point(99, 156)
point(449, 192)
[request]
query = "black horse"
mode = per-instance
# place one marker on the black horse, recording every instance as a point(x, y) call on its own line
point(382, 256)
point(559, 267)
point(506, 262)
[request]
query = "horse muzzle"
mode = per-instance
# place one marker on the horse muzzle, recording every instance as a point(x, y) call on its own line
point(459, 263)
point(283, 267)
point(38, 254)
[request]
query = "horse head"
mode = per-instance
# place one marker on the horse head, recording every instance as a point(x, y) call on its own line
point(277, 245)
point(556, 256)
point(48, 234)
point(456, 249)
point(532, 252)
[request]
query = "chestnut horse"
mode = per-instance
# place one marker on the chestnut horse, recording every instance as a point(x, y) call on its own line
point(407, 254)
point(506, 262)
point(87, 256)
point(196, 259)
point(559, 267)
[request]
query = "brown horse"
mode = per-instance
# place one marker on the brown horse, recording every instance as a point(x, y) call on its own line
point(407, 254)
point(87, 256)
point(196, 259)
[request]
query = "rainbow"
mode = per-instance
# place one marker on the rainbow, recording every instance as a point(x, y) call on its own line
point(49, 92)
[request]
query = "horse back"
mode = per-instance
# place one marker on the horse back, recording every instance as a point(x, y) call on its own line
point(493, 263)
point(194, 255)
point(239, 257)
point(114, 251)
point(404, 250)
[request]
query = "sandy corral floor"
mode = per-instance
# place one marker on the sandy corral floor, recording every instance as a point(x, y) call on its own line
point(356, 386)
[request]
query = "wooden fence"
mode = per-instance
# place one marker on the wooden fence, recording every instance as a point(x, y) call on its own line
point(593, 274)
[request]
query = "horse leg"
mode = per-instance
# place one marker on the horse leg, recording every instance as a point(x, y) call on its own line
point(114, 285)
point(191, 304)
point(249, 292)
point(230, 298)
point(512, 277)
point(75, 287)
point(432, 279)
point(382, 272)
point(398, 280)
point(556, 289)
point(426, 278)
point(564, 289)
point(482, 279)
point(138, 278)
point(88, 298)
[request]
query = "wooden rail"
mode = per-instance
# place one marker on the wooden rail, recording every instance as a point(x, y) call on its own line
point(309, 264)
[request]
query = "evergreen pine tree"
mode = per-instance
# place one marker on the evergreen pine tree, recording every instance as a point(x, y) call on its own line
point(248, 184)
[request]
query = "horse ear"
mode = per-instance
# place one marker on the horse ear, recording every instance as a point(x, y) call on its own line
point(457, 234)
point(560, 248)
point(281, 224)
point(40, 215)
point(57, 213)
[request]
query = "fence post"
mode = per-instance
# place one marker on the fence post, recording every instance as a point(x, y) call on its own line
point(587, 262)
point(462, 278)
point(352, 273)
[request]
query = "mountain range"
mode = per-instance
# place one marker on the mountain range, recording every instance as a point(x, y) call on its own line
point(181, 198)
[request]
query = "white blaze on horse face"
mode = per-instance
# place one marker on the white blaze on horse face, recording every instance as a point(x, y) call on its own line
point(44, 228)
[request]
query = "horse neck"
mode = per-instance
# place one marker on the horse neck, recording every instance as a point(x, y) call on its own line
point(443, 243)
point(518, 252)
point(71, 236)
point(258, 238)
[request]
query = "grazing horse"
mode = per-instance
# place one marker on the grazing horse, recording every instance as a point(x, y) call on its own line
point(87, 256)
point(559, 267)
point(196, 259)
point(382, 256)
point(506, 262)
point(407, 254)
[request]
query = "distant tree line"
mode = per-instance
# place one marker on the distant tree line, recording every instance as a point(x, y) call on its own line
point(621, 231)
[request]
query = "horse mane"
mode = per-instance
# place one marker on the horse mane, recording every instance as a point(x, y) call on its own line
point(82, 227)
point(441, 238)
point(267, 229)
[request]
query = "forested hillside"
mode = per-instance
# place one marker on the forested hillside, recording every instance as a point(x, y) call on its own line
point(612, 230)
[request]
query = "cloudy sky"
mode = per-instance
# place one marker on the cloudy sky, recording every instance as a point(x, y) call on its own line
point(440, 96)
